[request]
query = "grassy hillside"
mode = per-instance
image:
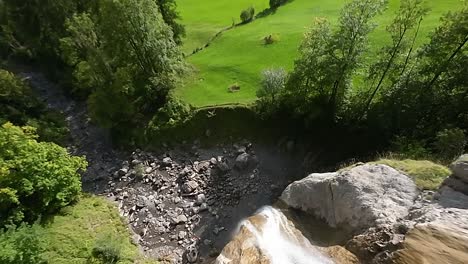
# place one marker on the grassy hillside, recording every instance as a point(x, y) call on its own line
point(239, 55)
point(204, 18)
point(91, 231)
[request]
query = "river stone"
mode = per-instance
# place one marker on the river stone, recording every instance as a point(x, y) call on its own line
point(460, 168)
point(189, 186)
point(357, 198)
point(242, 161)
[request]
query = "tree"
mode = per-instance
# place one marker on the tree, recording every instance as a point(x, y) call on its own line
point(394, 58)
point(273, 81)
point(247, 15)
point(33, 28)
point(19, 105)
point(432, 92)
point(168, 9)
point(35, 177)
point(126, 57)
point(277, 3)
point(327, 61)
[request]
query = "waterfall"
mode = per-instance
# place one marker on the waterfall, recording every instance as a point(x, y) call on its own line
point(282, 243)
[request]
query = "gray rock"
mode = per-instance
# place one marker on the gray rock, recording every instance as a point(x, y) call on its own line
point(123, 171)
point(182, 235)
point(201, 198)
point(167, 161)
point(460, 168)
point(457, 184)
point(203, 207)
point(192, 254)
point(242, 161)
point(213, 161)
point(189, 186)
point(180, 219)
point(361, 197)
point(223, 166)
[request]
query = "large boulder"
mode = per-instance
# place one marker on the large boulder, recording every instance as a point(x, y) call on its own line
point(458, 181)
point(460, 168)
point(364, 196)
point(434, 243)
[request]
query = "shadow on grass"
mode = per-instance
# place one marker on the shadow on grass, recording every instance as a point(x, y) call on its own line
point(271, 11)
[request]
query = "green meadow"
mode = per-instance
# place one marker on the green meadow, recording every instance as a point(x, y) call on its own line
point(239, 55)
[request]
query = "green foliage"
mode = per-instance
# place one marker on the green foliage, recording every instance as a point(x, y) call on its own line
point(21, 107)
point(277, 3)
point(72, 236)
point(24, 244)
point(426, 174)
point(431, 94)
point(32, 29)
point(410, 148)
point(273, 82)
point(394, 58)
point(450, 143)
point(125, 56)
point(35, 177)
point(323, 73)
point(168, 9)
point(173, 114)
point(270, 39)
point(247, 15)
point(107, 248)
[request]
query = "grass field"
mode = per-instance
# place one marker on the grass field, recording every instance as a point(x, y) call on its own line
point(239, 55)
point(71, 235)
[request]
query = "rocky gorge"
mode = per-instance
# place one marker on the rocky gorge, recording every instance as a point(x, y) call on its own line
point(189, 203)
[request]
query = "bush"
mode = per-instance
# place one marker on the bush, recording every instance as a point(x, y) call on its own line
point(277, 3)
point(35, 177)
point(174, 113)
point(22, 245)
point(450, 143)
point(273, 81)
point(107, 249)
point(19, 106)
point(410, 148)
point(270, 39)
point(247, 15)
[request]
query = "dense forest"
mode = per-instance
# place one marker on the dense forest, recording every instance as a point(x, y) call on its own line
point(125, 59)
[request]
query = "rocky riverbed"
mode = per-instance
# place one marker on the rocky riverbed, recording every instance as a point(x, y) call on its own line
point(183, 203)
point(186, 202)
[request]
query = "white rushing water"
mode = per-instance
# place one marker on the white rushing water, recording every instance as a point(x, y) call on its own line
point(281, 243)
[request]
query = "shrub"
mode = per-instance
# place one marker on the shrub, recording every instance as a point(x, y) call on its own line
point(450, 143)
point(410, 148)
point(22, 245)
point(277, 3)
point(273, 81)
point(19, 106)
point(270, 39)
point(247, 15)
point(174, 113)
point(35, 177)
point(234, 88)
point(107, 248)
